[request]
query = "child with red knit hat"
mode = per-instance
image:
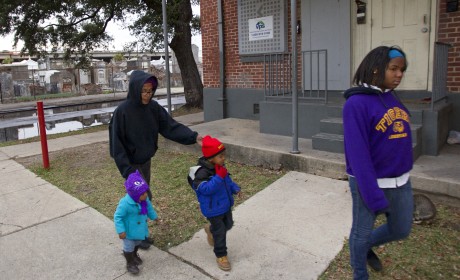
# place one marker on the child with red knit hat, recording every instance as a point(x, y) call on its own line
point(214, 189)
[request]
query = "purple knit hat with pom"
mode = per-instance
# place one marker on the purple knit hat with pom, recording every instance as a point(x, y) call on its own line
point(135, 187)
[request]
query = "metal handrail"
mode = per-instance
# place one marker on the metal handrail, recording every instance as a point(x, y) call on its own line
point(441, 59)
point(277, 75)
point(314, 80)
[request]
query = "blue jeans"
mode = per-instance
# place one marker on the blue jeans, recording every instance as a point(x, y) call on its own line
point(129, 244)
point(363, 236)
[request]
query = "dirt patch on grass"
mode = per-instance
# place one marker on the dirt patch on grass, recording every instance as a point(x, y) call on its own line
point(79, 157)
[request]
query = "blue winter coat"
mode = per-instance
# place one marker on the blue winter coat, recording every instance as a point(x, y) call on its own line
point(214, 194)
point(127, 218)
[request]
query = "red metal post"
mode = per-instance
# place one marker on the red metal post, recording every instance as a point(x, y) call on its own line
point(42, 130)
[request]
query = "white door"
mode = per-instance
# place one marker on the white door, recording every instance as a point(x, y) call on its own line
point(405, 23)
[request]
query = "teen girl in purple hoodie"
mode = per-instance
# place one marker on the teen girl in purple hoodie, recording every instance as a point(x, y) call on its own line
point(378, 152)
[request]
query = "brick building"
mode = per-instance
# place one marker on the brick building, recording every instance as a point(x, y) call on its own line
point(247, 72)
point(449, 32)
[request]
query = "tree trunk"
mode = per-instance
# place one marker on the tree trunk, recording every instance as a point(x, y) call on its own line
point(181, 44)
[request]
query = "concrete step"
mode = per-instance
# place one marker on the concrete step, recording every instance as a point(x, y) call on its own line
point(333, 142)
point(334, 111)
point(335, 126)
point(416, 150)
point(416, 116)
point(416, 131)
point(328, 142)
point(331, 125)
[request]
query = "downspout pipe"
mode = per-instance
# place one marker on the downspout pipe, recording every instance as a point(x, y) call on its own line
point(295, 115)
point(223, 94)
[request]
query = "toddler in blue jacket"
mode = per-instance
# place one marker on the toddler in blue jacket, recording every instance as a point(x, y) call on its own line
point(130, 219)
point(214, 189)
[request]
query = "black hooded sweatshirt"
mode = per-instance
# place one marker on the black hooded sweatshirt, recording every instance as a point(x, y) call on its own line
point(134, 128)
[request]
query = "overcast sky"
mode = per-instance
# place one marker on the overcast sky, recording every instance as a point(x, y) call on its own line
point(120, 36)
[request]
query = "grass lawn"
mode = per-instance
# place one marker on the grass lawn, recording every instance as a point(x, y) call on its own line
point(89, 174)
point(432, 251)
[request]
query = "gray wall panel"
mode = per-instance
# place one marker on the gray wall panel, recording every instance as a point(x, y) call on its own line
point(454, 118)
point(276, 118)
point(212, 106)
point(240, 103)
point(435, 129)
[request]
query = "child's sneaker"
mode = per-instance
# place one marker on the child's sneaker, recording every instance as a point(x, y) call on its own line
point(207, 229)
point(223, 263)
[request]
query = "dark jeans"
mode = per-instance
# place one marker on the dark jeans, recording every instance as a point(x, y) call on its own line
point(363, 236)
point(144, 169)
point(219, 227)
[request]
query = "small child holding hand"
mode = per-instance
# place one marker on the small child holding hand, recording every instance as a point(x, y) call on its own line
point(130, 219)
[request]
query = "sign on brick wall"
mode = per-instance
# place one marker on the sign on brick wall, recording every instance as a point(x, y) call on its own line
point(262, 26)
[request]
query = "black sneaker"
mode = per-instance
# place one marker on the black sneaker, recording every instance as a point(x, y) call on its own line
point(144, 245)
point(149, 240)
point(373, 261)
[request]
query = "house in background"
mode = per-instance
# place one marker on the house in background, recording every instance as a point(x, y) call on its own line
point(247, 63)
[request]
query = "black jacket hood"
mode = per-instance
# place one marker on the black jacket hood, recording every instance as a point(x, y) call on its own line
point(136, 82)
point(360, 90)
point(204, 162)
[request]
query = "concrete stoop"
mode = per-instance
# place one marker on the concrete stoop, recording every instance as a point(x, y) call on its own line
point(271, 151)
point(442, 190)
point(275, 160)
point(330, 138)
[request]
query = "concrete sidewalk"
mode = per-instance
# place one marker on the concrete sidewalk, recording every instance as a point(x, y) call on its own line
point(290, 230)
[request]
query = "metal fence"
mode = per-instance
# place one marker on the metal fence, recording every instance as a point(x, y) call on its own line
point(18, 83)
point(277, 75)
point(314, 71)
point(441, 59)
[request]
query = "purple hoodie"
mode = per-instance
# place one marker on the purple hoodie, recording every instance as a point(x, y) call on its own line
point(378, 141)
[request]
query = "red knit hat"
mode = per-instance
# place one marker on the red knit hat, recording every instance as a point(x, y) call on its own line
point(211, 147)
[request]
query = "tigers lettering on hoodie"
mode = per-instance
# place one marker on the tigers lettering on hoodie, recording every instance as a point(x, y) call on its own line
point(378, 140)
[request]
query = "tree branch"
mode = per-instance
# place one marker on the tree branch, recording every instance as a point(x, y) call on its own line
point(79, 21)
